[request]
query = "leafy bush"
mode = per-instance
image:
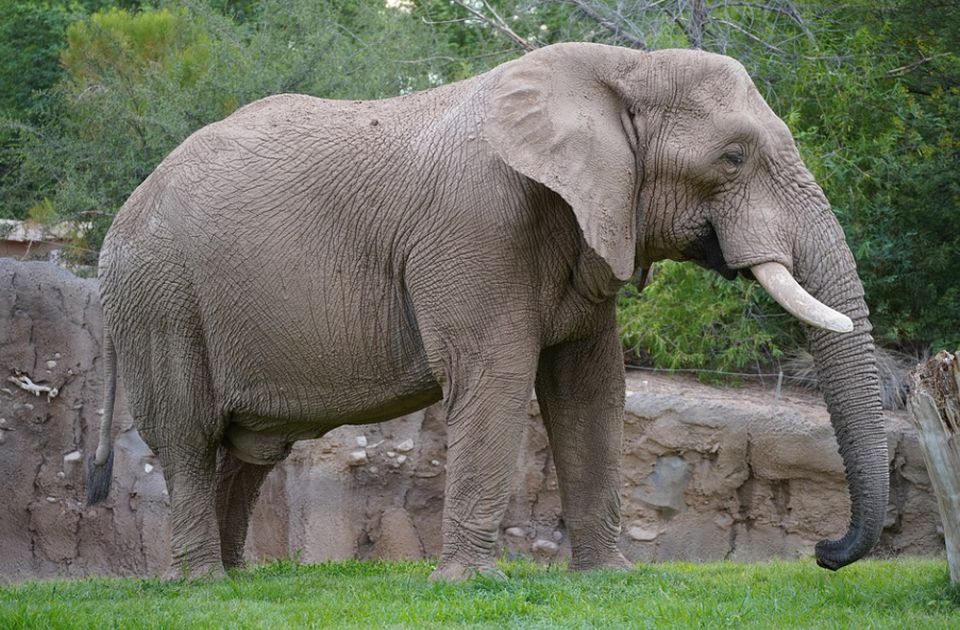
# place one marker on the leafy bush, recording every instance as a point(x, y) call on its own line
point(139, 82)
point(689, 317)
point(875, 116)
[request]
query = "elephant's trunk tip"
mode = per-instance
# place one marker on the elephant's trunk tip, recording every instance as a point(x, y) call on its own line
point(835, 554)
point(825, 559)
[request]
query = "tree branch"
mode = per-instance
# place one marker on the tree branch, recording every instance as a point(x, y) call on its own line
point(902, 70)
point(740, 29)
point(497, 23)
point(788, 10)
point(608, 24)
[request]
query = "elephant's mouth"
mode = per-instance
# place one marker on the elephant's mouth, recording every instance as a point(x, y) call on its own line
point(775, 278)
point(706, 252)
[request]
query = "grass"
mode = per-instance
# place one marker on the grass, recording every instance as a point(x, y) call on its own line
point(901, 593)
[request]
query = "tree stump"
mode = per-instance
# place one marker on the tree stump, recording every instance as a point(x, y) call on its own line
point(934, 405)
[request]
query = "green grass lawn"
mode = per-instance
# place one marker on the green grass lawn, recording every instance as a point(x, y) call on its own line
point(914, 594)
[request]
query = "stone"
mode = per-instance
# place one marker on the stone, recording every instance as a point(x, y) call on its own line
point(361, 440)
point(358, 458)
point(515, 532)
point(398, 538)
point(70, 461)
point(405, 446)
point(664, 487)
point(642, 535)
point(544, 549)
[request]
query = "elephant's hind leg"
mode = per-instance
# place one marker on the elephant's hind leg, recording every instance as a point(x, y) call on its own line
point(238, 486)
point(195, 540)
point(179, 420)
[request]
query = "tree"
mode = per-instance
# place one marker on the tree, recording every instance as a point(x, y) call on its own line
point(138, 82)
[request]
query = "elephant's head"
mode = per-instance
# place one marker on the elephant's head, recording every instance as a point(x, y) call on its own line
point(674, 154)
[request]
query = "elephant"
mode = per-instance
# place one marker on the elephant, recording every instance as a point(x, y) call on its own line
point(308, 263)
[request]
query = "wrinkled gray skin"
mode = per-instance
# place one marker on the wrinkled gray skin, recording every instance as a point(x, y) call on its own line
point(308, 263)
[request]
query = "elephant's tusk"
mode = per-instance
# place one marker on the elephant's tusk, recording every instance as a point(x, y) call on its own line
point(788, 293)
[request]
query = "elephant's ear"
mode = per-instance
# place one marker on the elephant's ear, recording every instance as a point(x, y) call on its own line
point(554, 118)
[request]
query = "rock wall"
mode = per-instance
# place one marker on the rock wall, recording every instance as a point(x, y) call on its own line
point(708, 473)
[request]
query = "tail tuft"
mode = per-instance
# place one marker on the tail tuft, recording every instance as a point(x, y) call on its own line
point(98, 479)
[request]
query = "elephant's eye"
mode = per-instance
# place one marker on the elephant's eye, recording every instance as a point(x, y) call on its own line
point(734, 156)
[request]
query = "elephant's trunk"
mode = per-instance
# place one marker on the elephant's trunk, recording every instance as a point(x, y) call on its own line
point(847, 370)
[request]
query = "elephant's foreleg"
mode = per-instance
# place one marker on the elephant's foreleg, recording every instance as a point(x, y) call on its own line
point(486, 409)
point(580, 389)
point(238, 486)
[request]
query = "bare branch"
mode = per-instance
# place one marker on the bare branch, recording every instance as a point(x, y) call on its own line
point(902, 70)
point(740, 29)
point(496, 22)
point(608, 24)
point(441, 22)
point(697, 23)
point(788, 10)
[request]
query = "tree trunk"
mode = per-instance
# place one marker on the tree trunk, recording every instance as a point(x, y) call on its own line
point(934, 406)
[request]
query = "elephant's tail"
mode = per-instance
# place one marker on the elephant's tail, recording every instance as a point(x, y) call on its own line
point(100, 465)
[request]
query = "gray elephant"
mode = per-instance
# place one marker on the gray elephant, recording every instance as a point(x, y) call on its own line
point(463, 244)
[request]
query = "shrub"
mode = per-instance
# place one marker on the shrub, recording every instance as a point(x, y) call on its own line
point(691, 318)
point(139, 82)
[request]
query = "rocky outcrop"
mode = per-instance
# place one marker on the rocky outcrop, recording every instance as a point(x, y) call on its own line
point(50, 405)
point(709, 473)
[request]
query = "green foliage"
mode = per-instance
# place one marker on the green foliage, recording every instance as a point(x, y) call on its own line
point(476, 46)
point(869, 594)
point(32, 35)
point(139, 82)
point(31, 38)
point(688, 317)
point(875, 115)
point(121, 46)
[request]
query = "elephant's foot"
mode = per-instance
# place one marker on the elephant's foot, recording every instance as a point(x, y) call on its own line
point(206, 571)
point(456, 571)
point(235, 565)
point(613, 561)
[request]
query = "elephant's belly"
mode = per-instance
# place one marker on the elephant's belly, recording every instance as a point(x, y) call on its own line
point(298, 354)
point(302, 390)
point(303, 414)
point(260, 439)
